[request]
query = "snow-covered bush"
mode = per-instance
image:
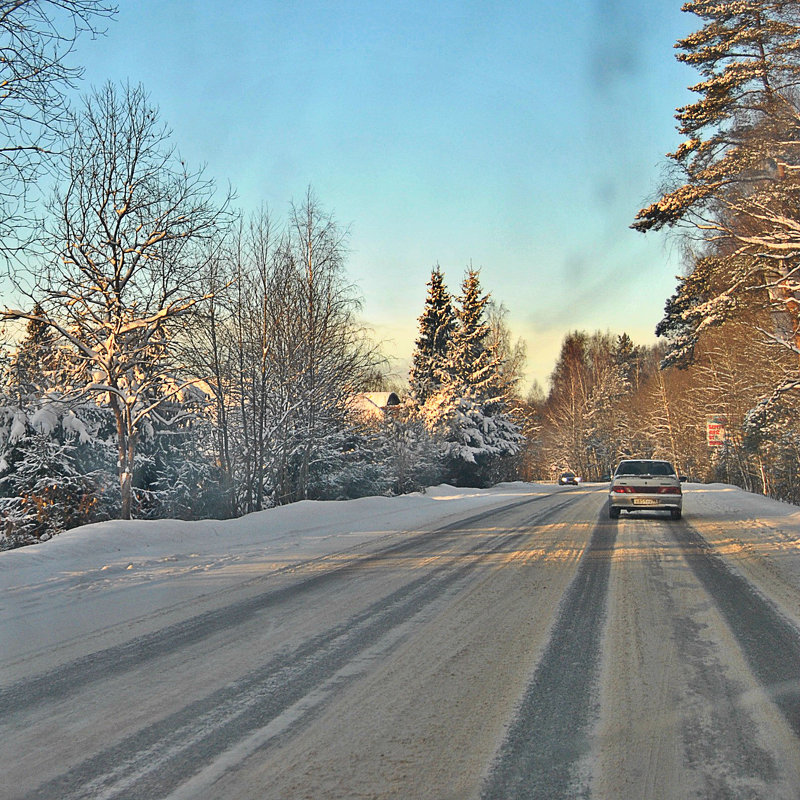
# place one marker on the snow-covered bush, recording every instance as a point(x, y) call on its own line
point(43, 493)
point(414, 458)
point(56, 470)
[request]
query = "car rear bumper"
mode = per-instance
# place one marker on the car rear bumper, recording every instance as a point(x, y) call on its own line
point(645, 502)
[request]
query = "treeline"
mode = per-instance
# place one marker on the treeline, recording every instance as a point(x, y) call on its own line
point(731, 331)
point(171, 356)
point(610, 399)
point(269, 404)
point(174, 357)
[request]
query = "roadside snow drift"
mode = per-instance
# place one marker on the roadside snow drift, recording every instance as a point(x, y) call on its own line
point(111, 573)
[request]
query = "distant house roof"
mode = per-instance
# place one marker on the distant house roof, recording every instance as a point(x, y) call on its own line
point(375, 403)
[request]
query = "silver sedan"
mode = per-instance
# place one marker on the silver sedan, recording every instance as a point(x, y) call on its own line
point(644, 484)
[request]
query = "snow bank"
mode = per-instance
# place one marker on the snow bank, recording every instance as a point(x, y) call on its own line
point(757, 536)
point(310, 528)
point(122, 572)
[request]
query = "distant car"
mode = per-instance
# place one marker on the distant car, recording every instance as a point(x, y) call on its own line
point(568, 478)
point(644, 484)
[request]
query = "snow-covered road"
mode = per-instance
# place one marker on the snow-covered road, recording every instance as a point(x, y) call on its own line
point(508, 643)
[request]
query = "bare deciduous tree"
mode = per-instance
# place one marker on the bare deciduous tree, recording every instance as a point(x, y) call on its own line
point(285, 353)
point(36, 40)
point(131, 226)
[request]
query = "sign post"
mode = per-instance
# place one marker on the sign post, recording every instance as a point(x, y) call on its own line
point(715, 430)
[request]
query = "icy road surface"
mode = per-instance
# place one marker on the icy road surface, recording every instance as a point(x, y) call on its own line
point(511, 643)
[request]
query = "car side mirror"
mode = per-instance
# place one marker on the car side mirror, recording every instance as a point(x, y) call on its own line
point(684, 479)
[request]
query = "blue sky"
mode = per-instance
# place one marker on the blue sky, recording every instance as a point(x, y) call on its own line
point(520, 137)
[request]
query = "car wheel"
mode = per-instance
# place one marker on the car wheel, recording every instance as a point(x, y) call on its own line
point(613, 512)
point(675, 513)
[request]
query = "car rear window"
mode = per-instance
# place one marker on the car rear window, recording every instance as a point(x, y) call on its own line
point(645, 468)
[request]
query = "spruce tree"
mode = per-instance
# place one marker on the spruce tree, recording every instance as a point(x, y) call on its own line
point(34, 366)
point(470, 360)
point(470, 410)
point(436, 326)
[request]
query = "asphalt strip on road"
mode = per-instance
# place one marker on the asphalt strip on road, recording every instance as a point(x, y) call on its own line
point(770, 643)
point(540, 757)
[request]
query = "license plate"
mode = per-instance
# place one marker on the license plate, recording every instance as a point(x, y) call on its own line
point(645, 501)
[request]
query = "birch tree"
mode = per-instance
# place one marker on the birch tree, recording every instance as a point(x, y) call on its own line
point(208, 352)
point(566, 406)
point(323, 350)
point(284, 353)
point(131, 225)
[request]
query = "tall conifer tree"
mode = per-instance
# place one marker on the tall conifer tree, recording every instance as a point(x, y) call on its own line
point(739, 174)
point(436, 326)
point(35, 364)
point(470, 410)
point(471, 362)
point(748, 53)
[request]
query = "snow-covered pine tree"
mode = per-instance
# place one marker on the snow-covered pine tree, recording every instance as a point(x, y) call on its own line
point(748, 52)
point(56, 471)
point(739, 172)
point(470, 410)
point(436, 326)
point(41, 492)
point(176, 473)
point(414, 455)
point(471, 362)
point(627, 357)
point(54, 460)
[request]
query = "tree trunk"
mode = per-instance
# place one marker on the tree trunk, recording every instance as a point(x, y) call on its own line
point(125, 454)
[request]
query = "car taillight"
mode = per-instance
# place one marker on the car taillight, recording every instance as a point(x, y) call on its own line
point(670, 490)
point(623, 489)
